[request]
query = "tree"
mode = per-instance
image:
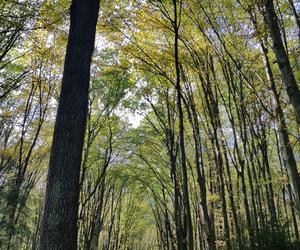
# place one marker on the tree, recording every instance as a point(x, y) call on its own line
point(211, 161)
point(59, 220)
point(282, 59)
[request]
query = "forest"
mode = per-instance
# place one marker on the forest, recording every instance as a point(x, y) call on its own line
point(149, 124)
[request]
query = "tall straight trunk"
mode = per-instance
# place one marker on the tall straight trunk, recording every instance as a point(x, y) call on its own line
point(288, 153)
point(59, 221)
point(177, 208)
point(232, 200)
point(215, 123)
point(167, 223)
point(292, 205)
point(188, 226)
point(219, 142)
point(172, 147)
point(201, 180)
point(229, 186)
point(97, 227)
point(287, 75)
point(240, 160)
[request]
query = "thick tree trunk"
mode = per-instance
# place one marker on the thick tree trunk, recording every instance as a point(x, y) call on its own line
point(59, 221)
point(282, 59)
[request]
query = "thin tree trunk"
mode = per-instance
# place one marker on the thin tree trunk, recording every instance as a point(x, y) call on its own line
point(188, 227)
point(201, 180)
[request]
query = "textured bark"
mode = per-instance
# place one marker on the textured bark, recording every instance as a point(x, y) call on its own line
point(59, 221)
point(282, 59)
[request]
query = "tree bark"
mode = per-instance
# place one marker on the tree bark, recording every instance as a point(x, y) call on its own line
point(287, 149)
point(59, 221)
point(188, 240)
point(282, 59)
